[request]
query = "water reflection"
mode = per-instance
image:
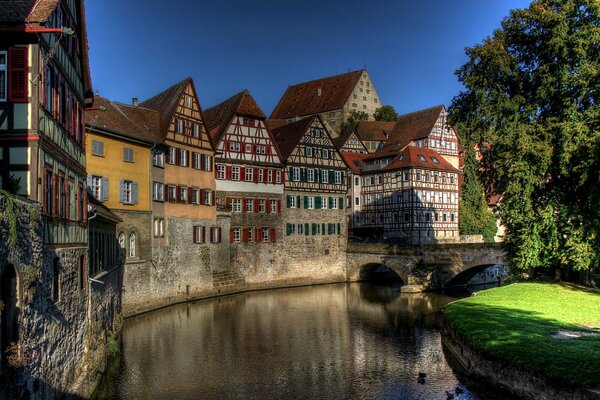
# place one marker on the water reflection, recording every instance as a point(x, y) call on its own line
point(354, 341)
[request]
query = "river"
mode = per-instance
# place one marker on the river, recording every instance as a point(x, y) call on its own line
point(341, 341)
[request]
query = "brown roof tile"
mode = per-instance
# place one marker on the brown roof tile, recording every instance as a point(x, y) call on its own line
point(218, 117)
point(166, 102)
point(374, 130)
point(413, 126)
point(133, 122)
point(288, 136)
point(353, 160)
point(302, 99)
point(409, 157)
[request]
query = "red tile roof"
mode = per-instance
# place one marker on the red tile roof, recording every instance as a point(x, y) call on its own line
point(26, 10)
point(413, 126)
point(353, 160)
point(303, 99)
point(129, 121)
point(167, 101)
point(288, 136)
point(409, 157)
point(374, 130)
point(218, 117)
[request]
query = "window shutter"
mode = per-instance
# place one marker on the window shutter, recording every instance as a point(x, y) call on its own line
point(318, 202)
point(314, 229)
point(258, 235)
point(255, 205)
point(89, 182)
point(203, 235)
point(195, 234)
point(298, 201)
point(231, 235)
point(166, 193)
point(291, 172)
point(306, 229)
point(288, 201)
point(245, 235)
point(317, 175)
point(104, 195)
point(323, 228)
point(303, 174)
point(341, 203)
point(178, 193)
point(331, 176)
point(268, 206)
point(202, 196)
point(228, 172)
point(202, 162)
point(278, 206)
point(17, 74)
point(121, 192)
point(339, 229)
point(255, 175)
point(331, 202)
point(177, 157)
point(273, 235)
point(329, 228)
point(242, 174)
point(228, 201)
point(305, 202)
point(288, 229)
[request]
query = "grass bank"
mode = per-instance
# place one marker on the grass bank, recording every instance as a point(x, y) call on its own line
point(516, 323)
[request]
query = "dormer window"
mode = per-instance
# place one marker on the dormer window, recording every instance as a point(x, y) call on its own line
point(435, 160)
point(422, 158)
point(318, 91)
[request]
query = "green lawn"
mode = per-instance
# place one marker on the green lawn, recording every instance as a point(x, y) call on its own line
point(515, 323)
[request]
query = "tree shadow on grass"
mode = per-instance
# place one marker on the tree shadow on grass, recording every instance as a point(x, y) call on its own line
point(524, 339)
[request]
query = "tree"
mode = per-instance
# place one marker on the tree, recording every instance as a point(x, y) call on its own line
point(532, 96)
point(475, 217)
point(353, 118)
point(386, 113)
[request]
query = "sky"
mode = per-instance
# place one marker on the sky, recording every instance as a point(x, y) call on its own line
point(411, 48)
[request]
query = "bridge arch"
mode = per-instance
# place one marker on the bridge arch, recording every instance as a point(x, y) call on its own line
point(477, 274)
point(379, 273)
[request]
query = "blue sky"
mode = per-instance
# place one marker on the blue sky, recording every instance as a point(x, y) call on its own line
point(410, 48)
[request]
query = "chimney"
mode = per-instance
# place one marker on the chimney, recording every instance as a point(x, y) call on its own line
point(134, 101)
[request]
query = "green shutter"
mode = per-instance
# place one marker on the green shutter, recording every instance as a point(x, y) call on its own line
point(317, 175)
point(305, 202)
point(298, 202)
point(322, 228)
point(331, 202)
point(288, 228)
point(289, 202)
point(318, 202)
point(341, 204)
point(329, 228)
point(302, 174)
point(291, 174)
point(339, 231)
point(331, 176)
point(306, 229)
point(314, 229)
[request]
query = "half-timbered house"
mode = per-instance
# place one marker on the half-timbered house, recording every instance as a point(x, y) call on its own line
point(315, 182)
point(189, 183)
point(374, 134)
point(411, 194)
point(249, 170)
point(350, 142)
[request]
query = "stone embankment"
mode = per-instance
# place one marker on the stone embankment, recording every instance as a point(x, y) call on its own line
point(504, 375)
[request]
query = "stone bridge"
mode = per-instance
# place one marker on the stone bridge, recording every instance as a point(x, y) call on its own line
point(425, 267)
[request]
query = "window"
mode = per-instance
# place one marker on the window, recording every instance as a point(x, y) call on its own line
point(188, 101)
point(248, 148)
point(199, 234)
point(418, 175)
point(452, 178)
point(296, 174)
point(172, 155)
point(406, 217)
point(234, 146)
point(97, 148)
point(128, 154)
point(158, 159)
point(159, 227)
point(265, 234)
point(128, 191)
point(262, 205)
point(270, 176)
point(292, 202)
point(308, 151)
point(261, 149)
point(172, 193)
point(317, 132)
point(278, 177)
point(236, 205)
point(274, 207)
point(208, 162)
point(158, 191)
point(310, 202)
point(261, 175)
point(179, 125)
point(220, 172)
point(325, 153)
point(436, 178)
point(310, 174)
point(334, 203)
point(427, 176)
point(98, 185)
point(235, 173)
point(183, 157)
point(132, 245)
point(324, 203)
point(249, 121)
point(196, 130)
point(235, 235)
point(183, 194)
point(208, 197)
point(434, 159)
point(3, 76)
point(196, 196)
point(249, 174)
point(357, 201)
point(250, 234)
point(196, 160)
point(250, 205)
point(215, 234)
point(324, 176)
point(422, 158)
point(338, 177)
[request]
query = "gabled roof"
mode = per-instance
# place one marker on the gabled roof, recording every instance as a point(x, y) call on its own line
point(288, 136)
point(353, 160)
point(413, 126)
point(26, 10)
point(303, 99)
point(218, 117)
point(167, 101)
point(341, 140)
point(409, 156)
point(374, 131)
point(129, 121)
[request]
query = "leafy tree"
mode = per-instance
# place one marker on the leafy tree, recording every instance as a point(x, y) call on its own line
point(475, 217)
point(532, 95)
point(386, 113)
point(353, 118)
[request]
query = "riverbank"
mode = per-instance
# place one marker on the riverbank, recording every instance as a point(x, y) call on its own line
point(530, 337)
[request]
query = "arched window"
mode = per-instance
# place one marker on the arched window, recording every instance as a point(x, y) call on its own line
point(121, 244)
point(132, 245)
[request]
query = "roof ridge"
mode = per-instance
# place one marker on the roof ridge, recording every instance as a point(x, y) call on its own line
point(328, 77)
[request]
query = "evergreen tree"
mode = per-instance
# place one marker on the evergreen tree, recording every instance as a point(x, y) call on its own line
point(386, 113)
point(532, 94)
